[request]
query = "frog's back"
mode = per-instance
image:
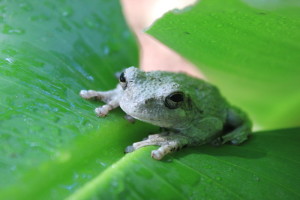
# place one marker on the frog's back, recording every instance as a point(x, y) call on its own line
point(205, 97)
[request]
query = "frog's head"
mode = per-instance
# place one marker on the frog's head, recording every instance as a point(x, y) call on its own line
point(156, 97)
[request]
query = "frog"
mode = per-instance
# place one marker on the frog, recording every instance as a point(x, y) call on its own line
point(190, 111)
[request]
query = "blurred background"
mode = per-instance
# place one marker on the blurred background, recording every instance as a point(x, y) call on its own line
point(140, 14)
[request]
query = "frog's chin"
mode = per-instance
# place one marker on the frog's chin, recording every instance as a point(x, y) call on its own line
point(156, 122)
point(146, 117)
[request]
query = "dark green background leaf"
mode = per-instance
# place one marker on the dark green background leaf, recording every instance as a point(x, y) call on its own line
point(250, 53)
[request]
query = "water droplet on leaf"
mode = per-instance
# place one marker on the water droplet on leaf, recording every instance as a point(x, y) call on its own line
point(7, 29)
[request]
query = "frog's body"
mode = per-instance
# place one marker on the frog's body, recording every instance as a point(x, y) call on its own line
point(192, 110)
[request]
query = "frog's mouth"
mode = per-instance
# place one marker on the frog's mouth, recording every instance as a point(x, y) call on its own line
point(155, 117)
point(154, 113)
point(154, 121)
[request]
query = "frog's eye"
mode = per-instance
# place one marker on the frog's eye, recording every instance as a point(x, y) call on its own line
point(122, 78)
point(174, 100)
point(123, 81)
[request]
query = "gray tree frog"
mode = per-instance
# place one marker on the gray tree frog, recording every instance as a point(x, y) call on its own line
point(191, 111)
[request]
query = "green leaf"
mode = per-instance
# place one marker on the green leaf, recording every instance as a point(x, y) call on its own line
point(76, 164)
point(51, 142)
point(265, 167)
point(249, 49)
point(54, 147)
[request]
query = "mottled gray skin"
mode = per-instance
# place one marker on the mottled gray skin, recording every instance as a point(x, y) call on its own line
point(192, 111)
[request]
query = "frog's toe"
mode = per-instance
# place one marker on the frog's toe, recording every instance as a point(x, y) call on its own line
point(99, 112)
point(157, 155)
point(235, 139)
point(238, 140)
point(217, 142)
point(89, 94)
point(130, 118)
point(84, 94)
point(129, 149)
point(103, 110)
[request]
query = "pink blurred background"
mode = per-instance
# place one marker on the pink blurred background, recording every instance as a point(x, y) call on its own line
point(140, 14)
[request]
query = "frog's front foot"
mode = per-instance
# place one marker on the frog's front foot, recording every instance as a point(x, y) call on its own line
point(103, 110)
point(165, 149)
point(111, 98)
point(129, 149)
point(90, 94)
point(168, 144)
point(129, 118)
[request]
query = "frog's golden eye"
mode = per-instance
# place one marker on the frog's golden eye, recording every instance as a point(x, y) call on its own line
point(174, 100)
point(123, 81)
